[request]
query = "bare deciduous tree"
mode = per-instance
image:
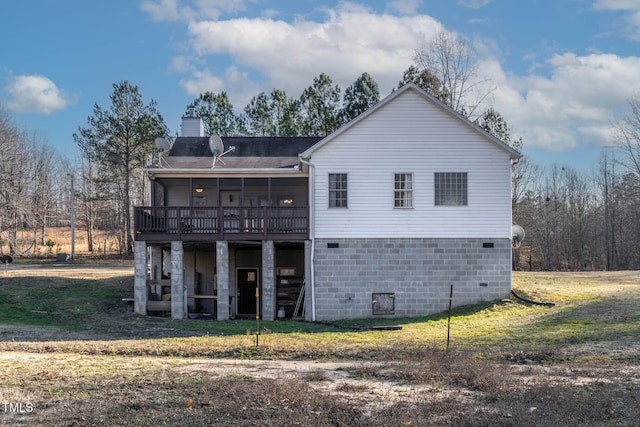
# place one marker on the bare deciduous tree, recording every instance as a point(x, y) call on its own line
point(627, 136)
point(451, 59)
point(627, 139)
point(43, 164)
point(14, 179)
point(28, 193)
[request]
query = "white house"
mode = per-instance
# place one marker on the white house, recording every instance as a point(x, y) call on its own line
point(379, 218)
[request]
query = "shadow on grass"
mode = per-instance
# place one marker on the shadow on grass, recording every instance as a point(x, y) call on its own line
point(466, 310)
point(86, 309)
point(609, 322)
point(94, 309)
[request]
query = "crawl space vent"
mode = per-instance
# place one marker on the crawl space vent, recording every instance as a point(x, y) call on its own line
point(383, 303)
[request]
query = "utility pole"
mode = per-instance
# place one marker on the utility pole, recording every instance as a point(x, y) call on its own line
point(73, 219)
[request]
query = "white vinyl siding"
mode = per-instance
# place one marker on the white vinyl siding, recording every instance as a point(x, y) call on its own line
point(420, 137)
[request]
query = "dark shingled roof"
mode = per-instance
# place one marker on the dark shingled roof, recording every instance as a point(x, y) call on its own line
point(246, 146)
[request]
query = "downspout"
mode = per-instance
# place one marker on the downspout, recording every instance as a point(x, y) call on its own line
point(513, 162)
point(311, 233)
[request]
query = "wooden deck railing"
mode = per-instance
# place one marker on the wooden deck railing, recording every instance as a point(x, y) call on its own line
point(158, 222)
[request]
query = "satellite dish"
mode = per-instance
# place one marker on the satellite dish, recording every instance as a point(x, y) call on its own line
point(215, 145)
point(517, 235)
point(162, 145)
point(217, 149)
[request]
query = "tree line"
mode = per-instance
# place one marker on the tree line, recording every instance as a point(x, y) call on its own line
point(574, 219)
point(31, 186)
point(318, 111)
point(578, 220)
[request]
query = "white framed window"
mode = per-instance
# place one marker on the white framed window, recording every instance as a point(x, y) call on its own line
point(403, 190)
point(450, 189)
point(338, 190)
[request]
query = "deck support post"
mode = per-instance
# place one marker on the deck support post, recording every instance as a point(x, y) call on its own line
point(222, 268)
point(178, 288)
point(268, 281)
point(140, 277)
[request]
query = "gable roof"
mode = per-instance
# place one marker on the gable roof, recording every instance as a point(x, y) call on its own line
point(250, 154)
point(513, 154)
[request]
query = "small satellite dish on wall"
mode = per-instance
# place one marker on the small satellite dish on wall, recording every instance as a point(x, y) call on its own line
point(517, 235)
point(217, 149)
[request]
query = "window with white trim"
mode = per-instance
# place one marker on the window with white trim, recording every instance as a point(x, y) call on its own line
point(337, 190)
point(403, 190)
point(450, 189)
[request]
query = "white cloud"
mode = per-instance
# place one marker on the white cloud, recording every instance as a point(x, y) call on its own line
point(574, 105)
point(35, 94)
point(180, 64)
point(288, 55)
point(565, 101)
point(235, 82)
point(632, 19)
point(616, 4)
point(474, 4)
point(165, 10)
point(202, 81)
point(405, 7)
point(176, 10)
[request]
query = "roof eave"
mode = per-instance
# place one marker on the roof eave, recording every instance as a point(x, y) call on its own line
point(220, 172)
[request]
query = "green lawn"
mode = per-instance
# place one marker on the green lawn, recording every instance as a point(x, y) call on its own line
point(590, 308)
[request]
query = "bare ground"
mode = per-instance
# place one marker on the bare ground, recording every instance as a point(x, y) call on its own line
point(378, 393)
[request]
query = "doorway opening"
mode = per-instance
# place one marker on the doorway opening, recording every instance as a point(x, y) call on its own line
point(248, 291)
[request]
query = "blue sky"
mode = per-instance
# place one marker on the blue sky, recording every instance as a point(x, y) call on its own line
point(562, 70)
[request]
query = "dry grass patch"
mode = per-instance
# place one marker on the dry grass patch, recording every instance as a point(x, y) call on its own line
point(438, 389)
point(91, 361)
point(147, 391)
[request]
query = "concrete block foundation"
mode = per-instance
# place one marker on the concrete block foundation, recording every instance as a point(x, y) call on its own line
point(411, 276)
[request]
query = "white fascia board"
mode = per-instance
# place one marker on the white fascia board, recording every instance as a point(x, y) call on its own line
point(226, 173)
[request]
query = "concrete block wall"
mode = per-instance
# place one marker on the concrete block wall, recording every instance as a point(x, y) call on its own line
point(140, 277)
point(222, 263)
point(418, 271)
point(178, 288)
point(268, 281)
